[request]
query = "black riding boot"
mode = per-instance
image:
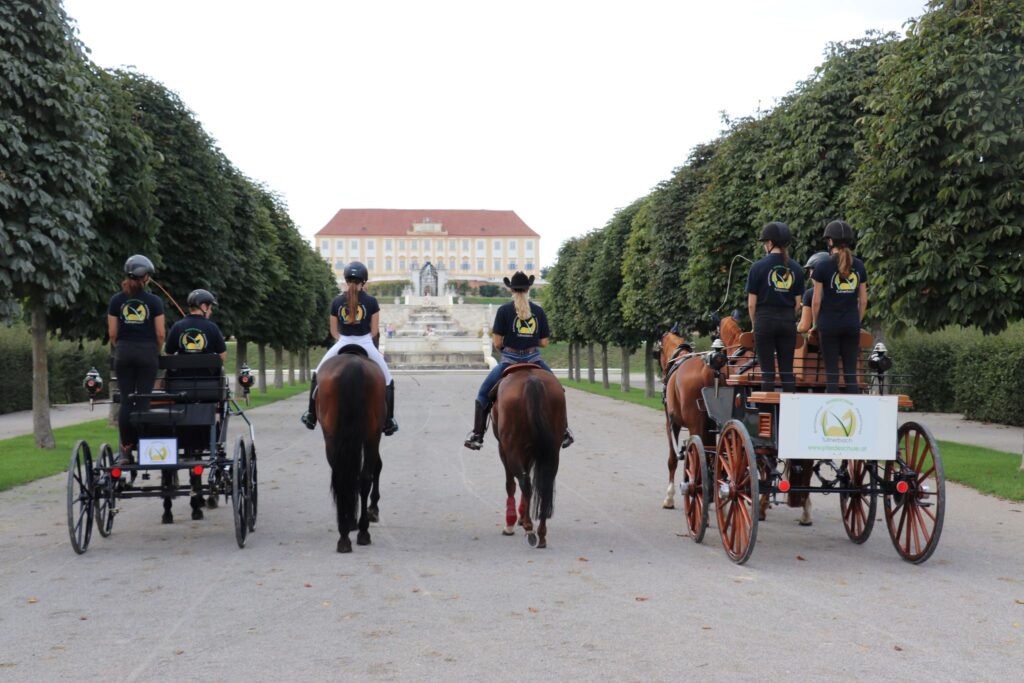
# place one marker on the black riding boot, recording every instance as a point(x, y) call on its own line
point(475, 439)
point(309, 417)
point(390, 426)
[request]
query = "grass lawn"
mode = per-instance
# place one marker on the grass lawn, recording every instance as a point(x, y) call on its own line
point(986, 470)
point(21, 462)
point(496, 300)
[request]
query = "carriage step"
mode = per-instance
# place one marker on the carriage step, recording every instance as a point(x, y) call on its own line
point(145, 476)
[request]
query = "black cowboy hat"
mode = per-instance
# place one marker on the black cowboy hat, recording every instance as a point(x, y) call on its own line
point(519, 281)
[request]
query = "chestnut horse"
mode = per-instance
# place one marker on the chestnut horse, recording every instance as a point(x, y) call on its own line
point(681, 394)
point(350, 407)
point(529, 421)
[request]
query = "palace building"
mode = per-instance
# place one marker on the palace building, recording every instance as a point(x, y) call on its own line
point(398, 244)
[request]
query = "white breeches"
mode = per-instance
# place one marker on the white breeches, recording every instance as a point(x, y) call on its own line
point(366, 341)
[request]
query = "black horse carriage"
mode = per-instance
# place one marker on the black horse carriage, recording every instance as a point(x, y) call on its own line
point(759, 444)
point(182, 429)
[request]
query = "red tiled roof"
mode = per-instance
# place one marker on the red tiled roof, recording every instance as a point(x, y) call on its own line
point(453, 221)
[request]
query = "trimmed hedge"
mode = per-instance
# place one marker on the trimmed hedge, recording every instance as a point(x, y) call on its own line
point(964, 371)
point(68, 363)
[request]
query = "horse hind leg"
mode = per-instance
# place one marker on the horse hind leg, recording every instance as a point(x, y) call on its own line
point(670, 493)
point(374, 509)
point(542, 533)
point(524, 503)
point(805, 514)
point(363, 537)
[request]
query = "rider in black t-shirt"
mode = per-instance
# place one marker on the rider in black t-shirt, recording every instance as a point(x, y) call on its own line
point(773, 294)
point(196, 333)
point(519, 332)
point(135, 325)
point(840, 299)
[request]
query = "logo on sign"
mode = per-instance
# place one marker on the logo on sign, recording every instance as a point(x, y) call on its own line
point(157, 451)
point(838, 419)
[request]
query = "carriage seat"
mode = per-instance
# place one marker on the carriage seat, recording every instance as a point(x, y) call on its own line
point(354, 349)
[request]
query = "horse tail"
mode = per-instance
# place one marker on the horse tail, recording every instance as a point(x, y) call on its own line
point(349, 437)
point(545, 446)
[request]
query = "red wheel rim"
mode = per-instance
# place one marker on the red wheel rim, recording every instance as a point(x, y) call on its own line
point(734, 494)
point(915, 517)
point(857, 509)
point(693, 499)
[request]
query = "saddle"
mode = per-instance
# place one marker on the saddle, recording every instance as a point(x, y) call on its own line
point(492, 395)
point(354, 349)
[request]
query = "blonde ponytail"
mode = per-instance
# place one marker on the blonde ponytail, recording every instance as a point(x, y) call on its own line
point(522, 305)
point(352, 302)
point(844, 259)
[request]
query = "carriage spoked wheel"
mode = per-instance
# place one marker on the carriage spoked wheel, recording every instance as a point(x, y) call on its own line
point(253, 496)
point(240, 492)
point(695, 490)
point(915, 493)
point(858, 509)
point(80, 497)
point(103, 508)
point(736, 491)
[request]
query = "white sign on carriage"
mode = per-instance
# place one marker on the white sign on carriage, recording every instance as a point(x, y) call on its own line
point(156, 452)
point(840, 427)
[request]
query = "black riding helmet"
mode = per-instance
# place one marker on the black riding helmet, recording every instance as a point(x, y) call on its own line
point(357, 271)
point(138, 266)
point(840, 233)
point(198, 297)
point(816, 260)
point(777, 232)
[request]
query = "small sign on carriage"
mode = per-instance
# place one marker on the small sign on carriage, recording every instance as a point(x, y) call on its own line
point(158, 452)
point(837, 427)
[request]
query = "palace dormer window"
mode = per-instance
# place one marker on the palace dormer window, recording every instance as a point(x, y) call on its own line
point(428, 226)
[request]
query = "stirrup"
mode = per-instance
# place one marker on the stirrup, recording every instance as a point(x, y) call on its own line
point(474, 441)
point(390, 426)
point(308, 419)
point(567, 439)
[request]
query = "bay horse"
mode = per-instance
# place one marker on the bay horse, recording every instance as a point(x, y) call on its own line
point(351, 410)
point(529, 419)
point(683, 389)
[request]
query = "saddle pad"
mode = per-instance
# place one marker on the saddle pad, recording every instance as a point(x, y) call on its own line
point(517, 367)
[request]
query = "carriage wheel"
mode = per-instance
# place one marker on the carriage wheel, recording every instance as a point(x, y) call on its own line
point(105, 499)
point(240, 492)
point(736, 491)
point(253, 497)
point(80, 497)
point(915, 517)
point(696, 494)
point(858, 509)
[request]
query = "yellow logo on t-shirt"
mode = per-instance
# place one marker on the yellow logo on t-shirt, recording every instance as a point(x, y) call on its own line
point(526, 328)
point(193, 341)
point(347, 319)
point(845, 285)
point(781, 278)
point(134, 312)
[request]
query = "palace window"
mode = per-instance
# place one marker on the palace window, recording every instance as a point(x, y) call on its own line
point(388, 265)
point(451, 244)
point(465, 245)
point(339, 247)
point(325, 247)
point(529, 246)
point(451, 263)
point(401, 263)
point(512, 245)
point(439, 246)
point(529, 266)
point(339, 265)
point(512, 265)
point(480, 245)
point(414, 245)
point(387, 245)
point(369, 264)
point(465, 264)
point(496, 246)
point(354, 244)
point(479, 265)
point(497, 264)
point(415, 264)
point(401, 245)
point(371, 246)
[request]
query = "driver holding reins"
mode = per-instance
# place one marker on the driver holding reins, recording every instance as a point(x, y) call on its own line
point(355, 319)
point(519, 332)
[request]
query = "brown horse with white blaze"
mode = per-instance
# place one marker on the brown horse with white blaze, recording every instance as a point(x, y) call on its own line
point(529, 421)
point(351, 410)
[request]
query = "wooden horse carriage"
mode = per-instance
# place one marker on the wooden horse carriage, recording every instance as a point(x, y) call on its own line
point(746, 446)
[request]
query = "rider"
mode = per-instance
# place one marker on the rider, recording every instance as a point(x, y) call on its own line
point(520, 330)
point(840, 299)
point(196, 333)
point(806, 315)
point(355, 319)
point(774, 287)
point(135, 324)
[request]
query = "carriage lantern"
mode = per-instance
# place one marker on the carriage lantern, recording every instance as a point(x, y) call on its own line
point(717, 359)
point(93, 384)
point(879, 361)
point(245, 378)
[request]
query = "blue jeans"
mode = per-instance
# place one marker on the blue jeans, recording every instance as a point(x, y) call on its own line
point(507, 358)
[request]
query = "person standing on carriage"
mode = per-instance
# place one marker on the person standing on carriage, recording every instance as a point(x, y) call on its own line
point(774, 287)
point(196, 333)
point(355, 319)
point(135, 325)
point(519, 332)
point(806, 310)
point(840, 299)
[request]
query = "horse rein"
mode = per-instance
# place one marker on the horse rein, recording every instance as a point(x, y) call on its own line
point(168, 295)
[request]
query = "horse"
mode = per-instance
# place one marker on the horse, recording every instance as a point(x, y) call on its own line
point(683, 389)
point(351, 410)
point(529, 419)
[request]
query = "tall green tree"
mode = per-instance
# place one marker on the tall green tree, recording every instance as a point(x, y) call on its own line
point(51, 172)
point(638, 293)
point(939, 200)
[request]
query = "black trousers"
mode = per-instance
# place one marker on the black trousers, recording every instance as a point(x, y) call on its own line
point(841, 343)
point(135, 364)
point(775, 338)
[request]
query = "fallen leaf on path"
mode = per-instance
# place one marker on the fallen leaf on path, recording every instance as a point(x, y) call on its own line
point(179, 652)
point(83, 618)
point(705, 628)
point(897, 648)
point(582, 559)
point(533, 610)
point(642, 598)
point(307, 585)
point(801, 558)
point(1019, 602)
point(326, 603)
point(33, 601)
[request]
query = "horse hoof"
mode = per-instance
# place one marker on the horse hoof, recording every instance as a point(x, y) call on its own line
point(344, 545)
point(168, 518)
point(373, 514)
point(542, 544)
point(508, 531)
point(211, 503)
point(531, 539)
point(802, 523)
point(197, 513)
point(761, 517)
point(363, 538)
point(668, 505)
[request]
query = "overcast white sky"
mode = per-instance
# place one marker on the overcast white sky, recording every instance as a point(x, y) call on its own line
point(561, 111)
